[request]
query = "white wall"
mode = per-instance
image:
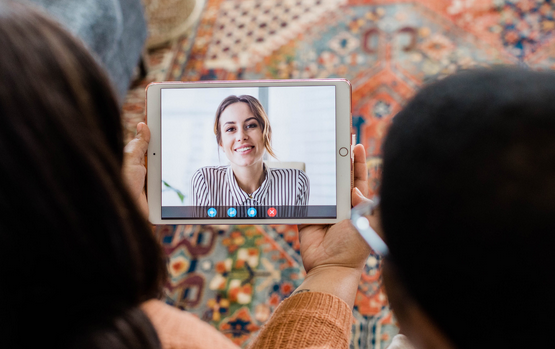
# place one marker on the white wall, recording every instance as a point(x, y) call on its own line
point(303, 129)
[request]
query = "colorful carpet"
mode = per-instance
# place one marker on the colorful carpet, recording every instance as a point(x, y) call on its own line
point(234, 276)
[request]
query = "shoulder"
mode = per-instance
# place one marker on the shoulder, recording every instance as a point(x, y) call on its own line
point(292, 172)
point(302, 180)
point(180, 329)
point(164, 316)
point(302, 175)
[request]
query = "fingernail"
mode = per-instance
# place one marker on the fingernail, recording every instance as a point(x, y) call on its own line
point(140, 127)
point(359, 193)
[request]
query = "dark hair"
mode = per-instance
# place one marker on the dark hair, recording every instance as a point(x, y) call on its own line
point(76, 255)
point(468, 205)
point(256, 109)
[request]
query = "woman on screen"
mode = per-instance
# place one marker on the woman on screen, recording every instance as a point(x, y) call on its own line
point(243, 132)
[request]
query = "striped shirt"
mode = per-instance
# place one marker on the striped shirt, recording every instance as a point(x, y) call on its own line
point(217, 186)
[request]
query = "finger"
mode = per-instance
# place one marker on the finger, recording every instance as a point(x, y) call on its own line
point(360, 169)
point(357, 197)
point(375, 222)
point(374, 218)
point(136, 149)
point(143, 131)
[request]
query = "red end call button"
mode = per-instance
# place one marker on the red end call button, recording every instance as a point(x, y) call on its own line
point(272, 212)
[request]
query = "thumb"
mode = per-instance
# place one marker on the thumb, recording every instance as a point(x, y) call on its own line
point(143, 132)
point(138, 146)
point(357, 197)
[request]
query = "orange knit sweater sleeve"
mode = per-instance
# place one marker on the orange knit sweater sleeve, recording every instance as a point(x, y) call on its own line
point(307, 320)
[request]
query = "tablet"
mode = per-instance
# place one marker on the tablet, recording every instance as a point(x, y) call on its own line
point(249, 152)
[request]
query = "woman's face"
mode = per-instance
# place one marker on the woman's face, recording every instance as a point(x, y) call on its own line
point(242, 139)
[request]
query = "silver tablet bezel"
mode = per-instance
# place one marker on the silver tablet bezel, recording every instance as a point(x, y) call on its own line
point(343, 140)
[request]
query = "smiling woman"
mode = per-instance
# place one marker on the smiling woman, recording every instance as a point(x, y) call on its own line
point(244, 134)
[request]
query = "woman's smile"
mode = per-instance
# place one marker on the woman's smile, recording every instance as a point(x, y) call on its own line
point(244, 149)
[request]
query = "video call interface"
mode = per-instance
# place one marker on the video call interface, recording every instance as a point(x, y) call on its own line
point(248, 152)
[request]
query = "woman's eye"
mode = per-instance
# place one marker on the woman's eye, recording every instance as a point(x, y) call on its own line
point(252, 125)
point(230, 129)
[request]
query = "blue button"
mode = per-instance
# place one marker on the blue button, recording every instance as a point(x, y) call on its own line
point(212, 212)
point(232, 212)
point(251, 212)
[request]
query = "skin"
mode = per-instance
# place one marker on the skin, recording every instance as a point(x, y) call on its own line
point(134, 170)
point(239, 128)
point(333, 255)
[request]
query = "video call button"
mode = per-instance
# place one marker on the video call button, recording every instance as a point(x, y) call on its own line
point(212, 212)
point(231, 212)
point(272, 212)
point(251, 212)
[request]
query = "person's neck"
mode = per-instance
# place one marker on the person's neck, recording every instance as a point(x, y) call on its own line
point(249, 178)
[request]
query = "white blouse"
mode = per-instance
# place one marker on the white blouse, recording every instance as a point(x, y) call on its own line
point(217, 186)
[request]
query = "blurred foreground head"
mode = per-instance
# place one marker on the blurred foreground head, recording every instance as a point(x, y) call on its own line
point(76, 255)
point(468, 209)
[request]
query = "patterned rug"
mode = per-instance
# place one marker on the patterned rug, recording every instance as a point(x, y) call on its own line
point(233, 277)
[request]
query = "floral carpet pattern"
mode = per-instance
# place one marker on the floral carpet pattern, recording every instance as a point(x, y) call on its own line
point(233, 277)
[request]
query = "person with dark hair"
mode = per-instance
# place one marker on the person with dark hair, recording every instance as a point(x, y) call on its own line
point(79, 265)
point(468, 211)
point(77, 256)
point(244, 134)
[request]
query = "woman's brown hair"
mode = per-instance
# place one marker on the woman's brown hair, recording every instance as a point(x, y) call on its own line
point(256, 109)
point(77, 257)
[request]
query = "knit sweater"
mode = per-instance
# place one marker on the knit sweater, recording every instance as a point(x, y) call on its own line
point(307, 320)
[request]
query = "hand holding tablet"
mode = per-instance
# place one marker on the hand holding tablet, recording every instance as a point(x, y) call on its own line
point(255, 152)
point(134, 171)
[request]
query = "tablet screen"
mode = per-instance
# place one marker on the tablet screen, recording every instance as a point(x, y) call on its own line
point(248, 152)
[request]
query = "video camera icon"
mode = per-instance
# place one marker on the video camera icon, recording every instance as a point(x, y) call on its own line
point(212, 212)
